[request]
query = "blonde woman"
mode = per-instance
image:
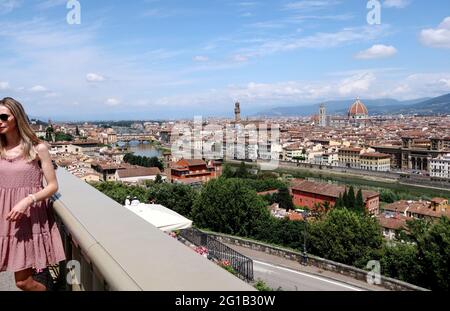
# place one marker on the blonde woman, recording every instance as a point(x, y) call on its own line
point(29, 237)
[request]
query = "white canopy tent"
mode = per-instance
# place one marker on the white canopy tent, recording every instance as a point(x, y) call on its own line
point(160, 216)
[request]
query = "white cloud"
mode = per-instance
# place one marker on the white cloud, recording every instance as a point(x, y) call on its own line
point(337, 17)
point(247, 3)
point(310, 4)
point(357, 83)
point(200, 58)
point(247, 14)
point(112, 102)
point(51, 95)
point(445, 82)
point(94, 77)
point(4, 86)
point(240, 58)
point(420, 85)
point(437, 37)
point(399, 4)
point(319, 40)
point(47, 4)
point(38, 89)
point(377, 51)
point(7, 6)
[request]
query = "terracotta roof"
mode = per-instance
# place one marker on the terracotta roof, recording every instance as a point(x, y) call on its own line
point(138, 172)
point(427, 210)
point(395, 223)
point(416, 207)
point(439, 200)
point(192, 162)
point(399, 206)
point(295, 216)
point(329, 190)
point(358, 108)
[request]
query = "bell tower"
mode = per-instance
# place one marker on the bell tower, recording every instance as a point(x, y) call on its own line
point(237, 112)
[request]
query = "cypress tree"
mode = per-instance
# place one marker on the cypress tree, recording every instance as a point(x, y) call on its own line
point(285, 199)
point(339, 203)
point(351, 198)
point(360, 205)
point(345, 198)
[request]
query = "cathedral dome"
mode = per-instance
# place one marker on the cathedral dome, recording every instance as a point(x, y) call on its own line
point(358, 110)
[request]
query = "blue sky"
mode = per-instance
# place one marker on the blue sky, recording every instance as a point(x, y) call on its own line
point(151, 59)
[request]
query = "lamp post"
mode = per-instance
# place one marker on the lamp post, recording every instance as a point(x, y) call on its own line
point(305, 220)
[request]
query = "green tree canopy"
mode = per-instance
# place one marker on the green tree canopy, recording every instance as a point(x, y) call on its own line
point(242, 171)
point(434, 253)
point(229, 206)
point(360, 205)
point(284, 198)
point(346, 237)
point(351, 198)
point(401, 261)
point(143, 161)
point(177, 197)
point(227, 171)
point(119, 192)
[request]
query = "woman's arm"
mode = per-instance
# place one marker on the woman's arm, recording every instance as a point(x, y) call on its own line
point(50, 189)
point(49, 174)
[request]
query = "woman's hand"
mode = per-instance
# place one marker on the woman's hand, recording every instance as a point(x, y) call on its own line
point(19, 210)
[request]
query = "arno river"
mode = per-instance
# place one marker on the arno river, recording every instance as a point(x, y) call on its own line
point(146, 150)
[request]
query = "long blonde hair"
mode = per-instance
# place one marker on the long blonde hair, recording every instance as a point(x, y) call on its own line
point(28, 138)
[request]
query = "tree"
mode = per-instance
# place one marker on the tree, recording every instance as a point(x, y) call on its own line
point(77, 131)
point(345, 198)
point(242, 172)
point(401, 261)
point(346, 237)
point(298, 159)
point(60, 136)
point(351, 198)
point(430, 257)
point(388, 196)
point(49, 132)
point(229, 206)
point(326, 207)
point(118, 191)
point(143, 161)
point(284, 198)
point(158, 179)
point(177, 197)
point(155, 162)
point(360, 205)
point(227, 172)
point(339, 202)
point(434, 252)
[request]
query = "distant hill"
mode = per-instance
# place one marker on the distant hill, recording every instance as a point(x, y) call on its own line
point(375, 106)
point(433, 106)
point(38, 122)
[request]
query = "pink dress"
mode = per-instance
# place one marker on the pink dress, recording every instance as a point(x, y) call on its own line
point(34, 241)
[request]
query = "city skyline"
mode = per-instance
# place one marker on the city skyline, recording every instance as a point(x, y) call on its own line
point(166, 60)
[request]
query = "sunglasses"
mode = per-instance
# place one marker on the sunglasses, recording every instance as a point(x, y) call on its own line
point(4, 117)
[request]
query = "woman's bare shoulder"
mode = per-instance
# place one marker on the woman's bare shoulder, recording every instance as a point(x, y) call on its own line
point(41, 149)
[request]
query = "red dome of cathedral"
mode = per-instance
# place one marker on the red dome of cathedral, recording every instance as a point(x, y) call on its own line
point(358, 110)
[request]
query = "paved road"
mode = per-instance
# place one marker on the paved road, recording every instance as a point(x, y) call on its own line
point(290, 280)
point(290, 275)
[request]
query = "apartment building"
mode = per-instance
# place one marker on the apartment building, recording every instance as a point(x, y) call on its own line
point(440, 167)
point(375, 161)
